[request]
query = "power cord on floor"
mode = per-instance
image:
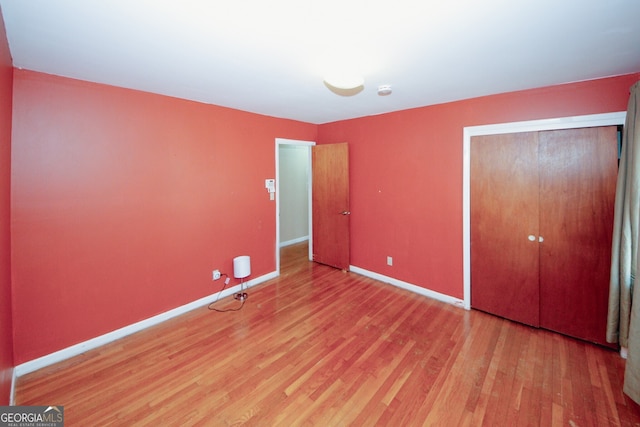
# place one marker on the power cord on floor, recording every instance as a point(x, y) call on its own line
point(210, 306)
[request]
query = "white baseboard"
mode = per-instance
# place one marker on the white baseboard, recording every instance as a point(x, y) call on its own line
point(77, 349)
point(12, 393)
point(408, 286)
point(294, 241)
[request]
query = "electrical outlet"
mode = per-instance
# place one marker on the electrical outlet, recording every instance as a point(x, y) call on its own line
point(216, 274)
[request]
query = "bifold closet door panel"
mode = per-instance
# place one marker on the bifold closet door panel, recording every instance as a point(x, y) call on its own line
point(504, 226)
point(578, 172)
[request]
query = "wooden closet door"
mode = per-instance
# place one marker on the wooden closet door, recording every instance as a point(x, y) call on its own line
point(578, 172)
point(504, 213)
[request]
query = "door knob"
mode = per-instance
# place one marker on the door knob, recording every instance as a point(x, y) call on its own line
point(345, 213)
point(540, 239)
point(532, 238)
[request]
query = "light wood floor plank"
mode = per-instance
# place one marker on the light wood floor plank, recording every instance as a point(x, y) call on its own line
point(322, 347)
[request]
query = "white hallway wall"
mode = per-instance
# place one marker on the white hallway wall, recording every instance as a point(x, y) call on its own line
point(294, 195)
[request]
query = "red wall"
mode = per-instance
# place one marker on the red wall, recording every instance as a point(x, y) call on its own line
point(406, 175)
point(124, 202)
point(6, 331)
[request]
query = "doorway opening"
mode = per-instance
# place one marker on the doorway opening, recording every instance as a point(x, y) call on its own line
point(293, 196)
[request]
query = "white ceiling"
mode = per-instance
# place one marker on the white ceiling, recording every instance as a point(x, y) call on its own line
point(270, 56)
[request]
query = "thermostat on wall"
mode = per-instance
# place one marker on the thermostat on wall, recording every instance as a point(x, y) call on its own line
point(270, 185)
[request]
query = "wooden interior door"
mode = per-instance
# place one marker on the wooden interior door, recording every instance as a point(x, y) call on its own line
point(578, 172)
point(330, 204)
point(504, 226)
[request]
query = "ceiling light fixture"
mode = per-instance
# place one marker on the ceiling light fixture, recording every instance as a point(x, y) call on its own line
point(344, 84)
point(344, 81)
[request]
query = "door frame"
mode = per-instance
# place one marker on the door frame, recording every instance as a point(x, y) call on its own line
point(592, 120)
point(280, 142)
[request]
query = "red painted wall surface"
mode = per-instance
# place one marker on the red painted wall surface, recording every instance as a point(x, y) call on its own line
point(406, 175)
point(6, 331)
point(124, 202)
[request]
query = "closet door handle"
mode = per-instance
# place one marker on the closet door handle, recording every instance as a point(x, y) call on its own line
point(540, 239)
point(532, 238)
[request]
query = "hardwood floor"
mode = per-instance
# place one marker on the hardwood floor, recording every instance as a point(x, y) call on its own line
point(318, 346)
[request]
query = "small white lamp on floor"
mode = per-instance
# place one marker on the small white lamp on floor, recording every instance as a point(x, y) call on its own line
point(241, 270)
